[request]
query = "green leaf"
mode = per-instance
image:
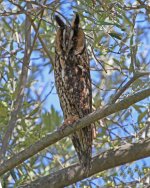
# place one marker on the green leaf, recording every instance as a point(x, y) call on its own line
point(3, 109)
point(116, 35)
point(142, 115)
point(34, 111)
point(51, 119)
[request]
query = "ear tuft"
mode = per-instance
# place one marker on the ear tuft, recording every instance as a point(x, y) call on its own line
point(75, 22)
point(59, 21)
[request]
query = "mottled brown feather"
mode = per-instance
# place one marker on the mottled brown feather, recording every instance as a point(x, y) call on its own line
point(73, 83)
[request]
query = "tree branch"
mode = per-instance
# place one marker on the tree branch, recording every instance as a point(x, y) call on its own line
point(133, 79)
point(58, 135)
point(112, 158)
point(19, 98)
point(47, 51)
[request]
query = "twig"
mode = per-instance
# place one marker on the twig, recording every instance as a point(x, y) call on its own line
point(19, 99)
point(135, 77)
point(23, 79)
point(97, 60)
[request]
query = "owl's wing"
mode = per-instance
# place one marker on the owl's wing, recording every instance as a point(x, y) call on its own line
point(82, 139)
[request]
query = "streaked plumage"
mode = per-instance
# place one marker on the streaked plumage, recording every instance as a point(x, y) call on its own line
point(73, 83)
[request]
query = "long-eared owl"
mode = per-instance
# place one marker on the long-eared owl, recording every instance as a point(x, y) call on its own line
point(73, 83)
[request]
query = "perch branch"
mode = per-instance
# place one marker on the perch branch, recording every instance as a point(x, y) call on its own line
point(58, 135)
point(109, 159)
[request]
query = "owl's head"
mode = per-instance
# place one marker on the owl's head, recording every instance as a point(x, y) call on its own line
point(70, 39)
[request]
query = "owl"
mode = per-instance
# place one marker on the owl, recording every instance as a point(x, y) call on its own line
point(73, 84)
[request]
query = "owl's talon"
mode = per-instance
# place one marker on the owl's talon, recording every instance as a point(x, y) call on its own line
point(61, 129)
point(68, 121)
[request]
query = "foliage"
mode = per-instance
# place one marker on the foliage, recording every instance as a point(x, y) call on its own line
point(118, 40)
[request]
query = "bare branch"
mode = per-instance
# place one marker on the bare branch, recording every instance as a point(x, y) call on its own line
point(58, 135)
point(112, 158)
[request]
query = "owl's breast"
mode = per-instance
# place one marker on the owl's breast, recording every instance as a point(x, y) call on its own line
point(73, 85)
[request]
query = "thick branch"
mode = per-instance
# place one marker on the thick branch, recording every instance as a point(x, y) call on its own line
point(58, 135)
point(106, 160)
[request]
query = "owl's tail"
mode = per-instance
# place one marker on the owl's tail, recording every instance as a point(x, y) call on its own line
point(82, 141)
